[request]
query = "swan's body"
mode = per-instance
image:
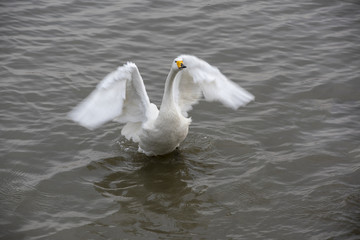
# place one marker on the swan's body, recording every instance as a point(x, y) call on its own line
point(121, 96)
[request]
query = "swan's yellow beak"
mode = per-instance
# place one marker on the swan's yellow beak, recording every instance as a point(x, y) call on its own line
point(180, 64)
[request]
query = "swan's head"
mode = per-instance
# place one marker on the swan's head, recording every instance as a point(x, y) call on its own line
point(178, 64)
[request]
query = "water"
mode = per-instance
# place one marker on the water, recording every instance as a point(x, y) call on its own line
point(284, 167)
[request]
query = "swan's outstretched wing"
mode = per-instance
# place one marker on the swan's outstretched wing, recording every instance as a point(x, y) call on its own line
point(120, 96)
point(200, 78)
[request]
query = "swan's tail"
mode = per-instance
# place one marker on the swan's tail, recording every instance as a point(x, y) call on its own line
point(132, 130)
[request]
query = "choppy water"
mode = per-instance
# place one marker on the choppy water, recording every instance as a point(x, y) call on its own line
point(286, 166)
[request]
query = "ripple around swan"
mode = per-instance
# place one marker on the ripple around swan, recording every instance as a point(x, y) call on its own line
point(285, 166)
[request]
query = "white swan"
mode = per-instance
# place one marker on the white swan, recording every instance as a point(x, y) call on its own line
point(121, 96)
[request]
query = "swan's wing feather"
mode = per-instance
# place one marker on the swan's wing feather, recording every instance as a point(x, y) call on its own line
point(200, 77)
point(120, 96)
point(188, 92)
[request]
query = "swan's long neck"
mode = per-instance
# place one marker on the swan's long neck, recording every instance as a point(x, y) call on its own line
point(168, 100)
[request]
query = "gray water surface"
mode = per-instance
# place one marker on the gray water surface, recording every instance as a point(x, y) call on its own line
point(286, 166)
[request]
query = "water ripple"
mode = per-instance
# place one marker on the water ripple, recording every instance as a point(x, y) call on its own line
point(285, 166)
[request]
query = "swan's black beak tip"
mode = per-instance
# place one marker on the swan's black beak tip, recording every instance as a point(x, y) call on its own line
point(180, 64)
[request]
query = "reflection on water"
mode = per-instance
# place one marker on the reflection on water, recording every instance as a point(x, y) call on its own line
point(147, 186)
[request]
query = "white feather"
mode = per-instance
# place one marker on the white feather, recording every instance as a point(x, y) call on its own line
point(121, 96)
point(200, 78)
